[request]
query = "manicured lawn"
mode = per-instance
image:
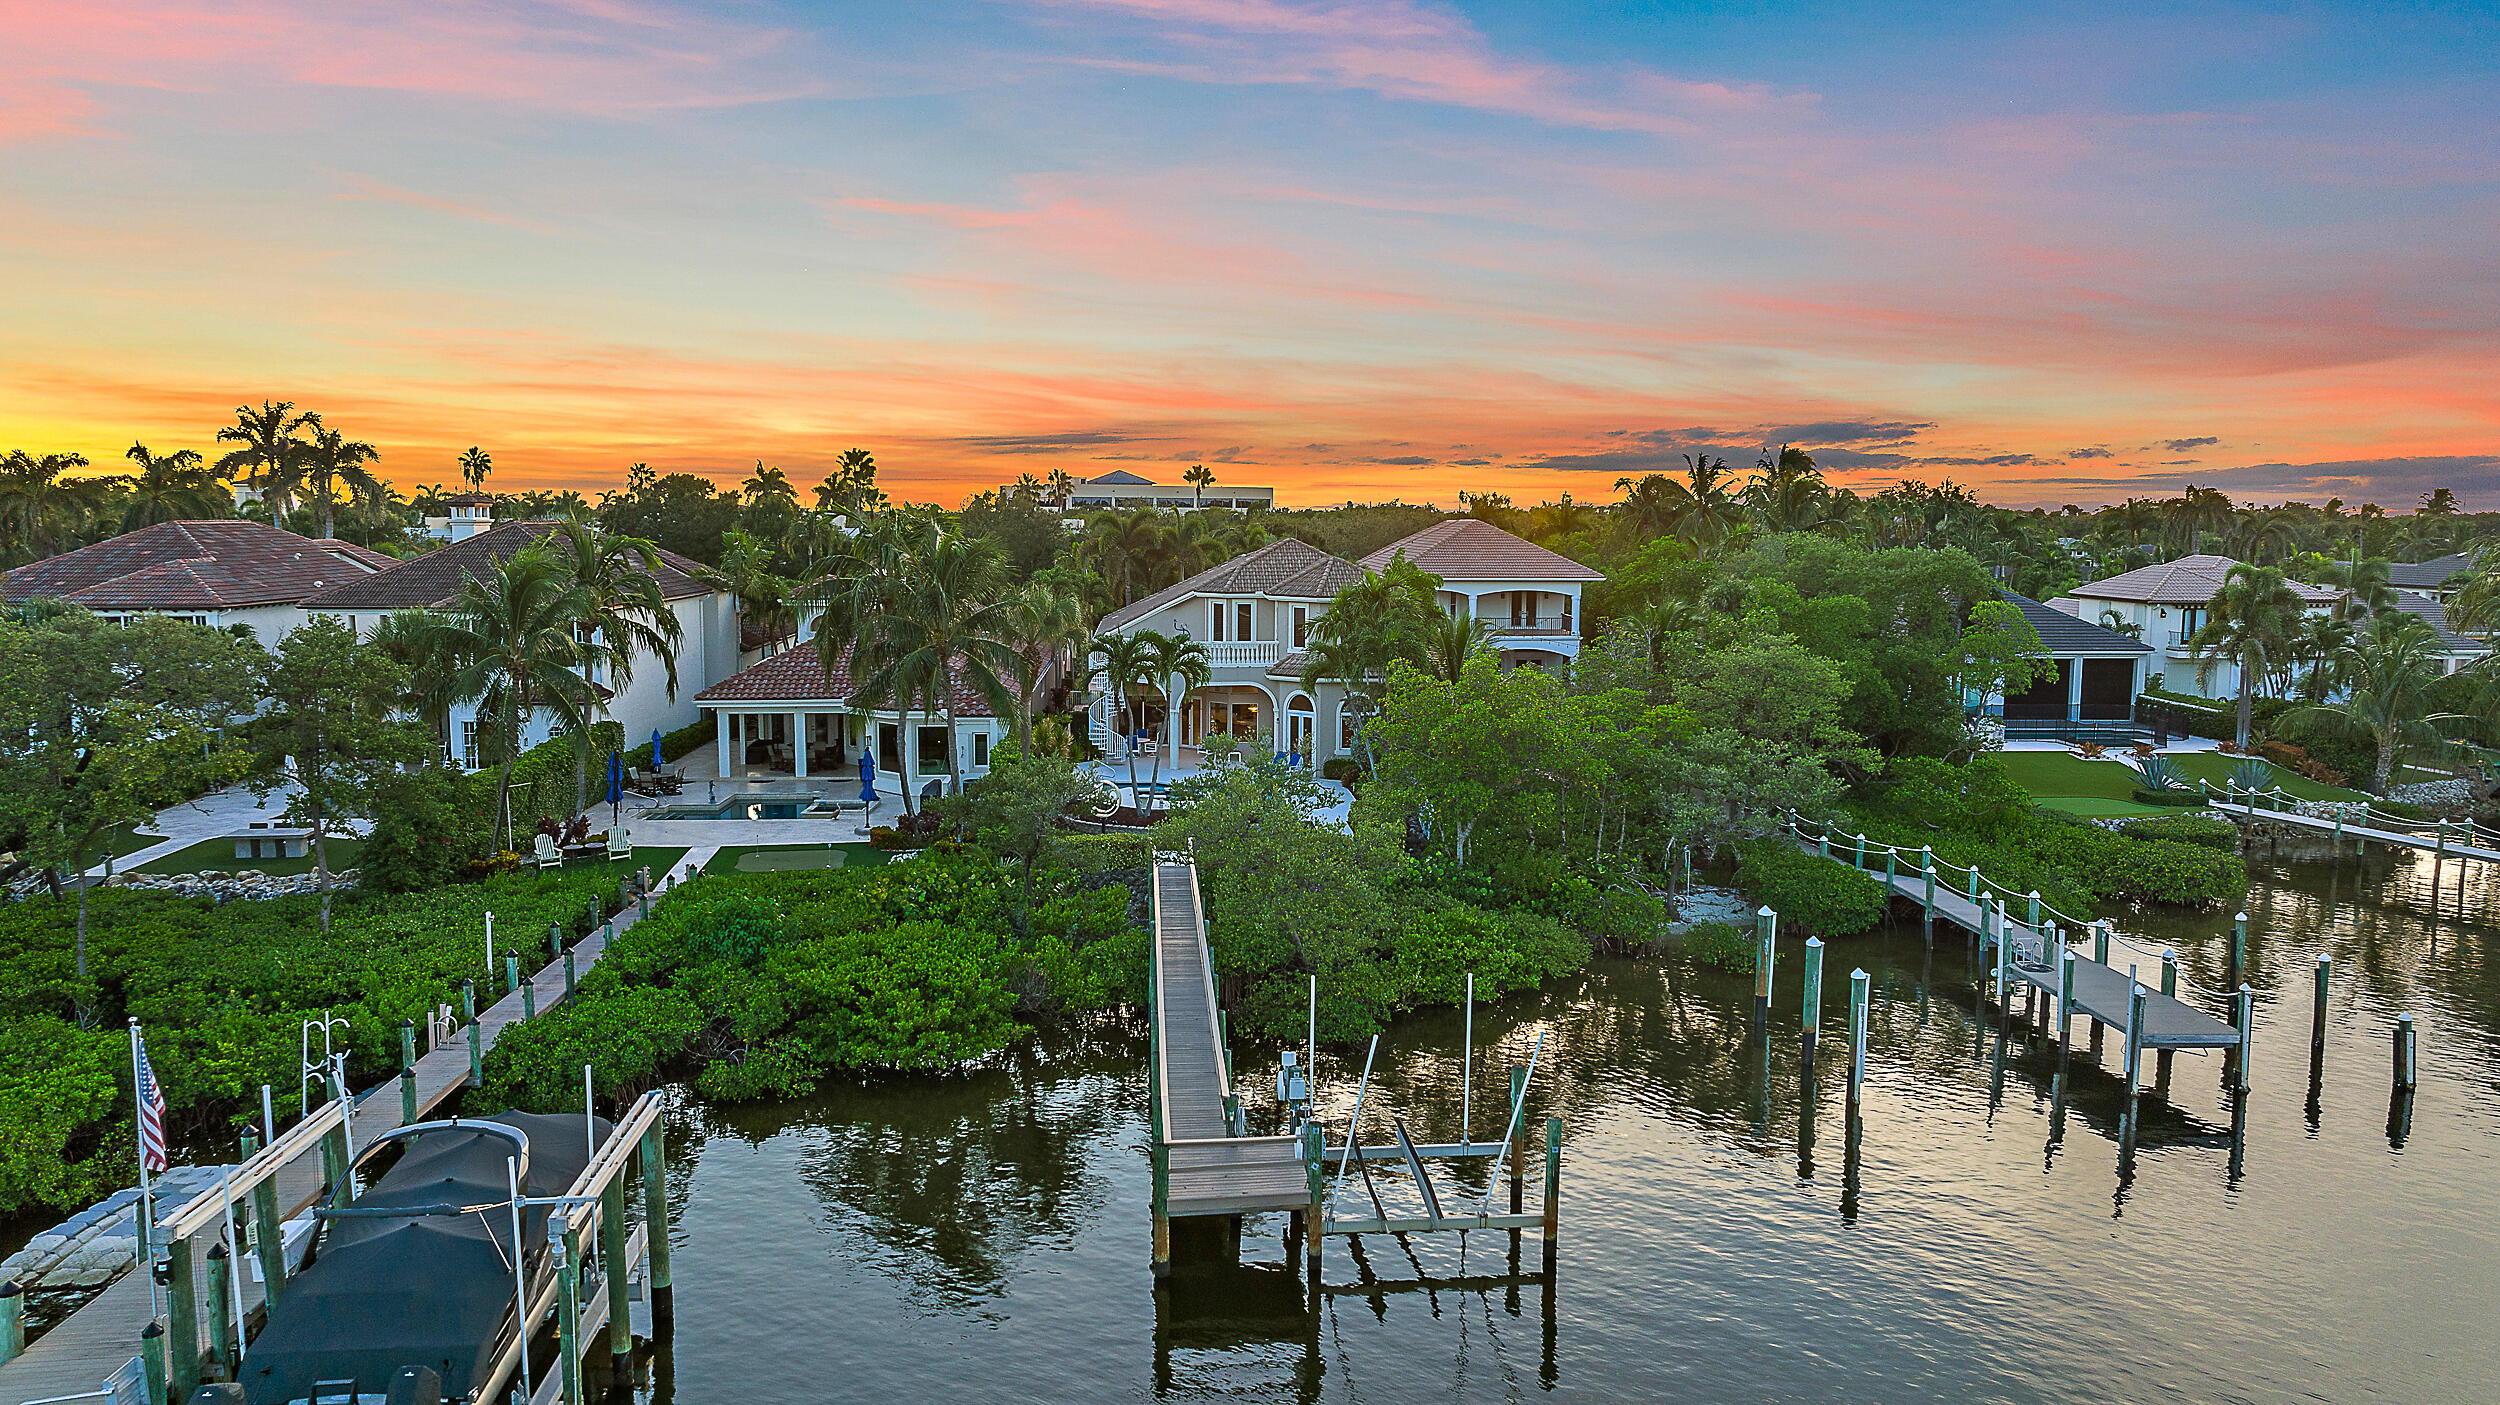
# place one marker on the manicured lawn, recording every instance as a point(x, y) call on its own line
point(218, 855)
point(2093, 806)
point(2215, 767)
point(2048, 774)
point(783, 858)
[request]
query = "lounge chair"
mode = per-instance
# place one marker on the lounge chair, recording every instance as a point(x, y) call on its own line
point(620, 844)
point(545, 853)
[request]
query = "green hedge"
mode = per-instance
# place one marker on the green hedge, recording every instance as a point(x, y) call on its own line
point(548, 772)
point(677, 745)
point(222, 992)
point(1814, 896)
point(2204, 831)
point(2176, 797)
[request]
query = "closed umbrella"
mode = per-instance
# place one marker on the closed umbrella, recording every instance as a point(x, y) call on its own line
point(616, 785)
point(656, 762)
point(867, 777)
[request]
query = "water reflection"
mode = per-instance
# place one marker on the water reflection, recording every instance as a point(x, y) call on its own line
point(1985, 1233)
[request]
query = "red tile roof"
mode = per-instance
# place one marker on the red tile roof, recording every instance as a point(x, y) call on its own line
point(193, 565)
point(793, 675)
point(1468, 549)
point(2189, 580)
point(432, 581)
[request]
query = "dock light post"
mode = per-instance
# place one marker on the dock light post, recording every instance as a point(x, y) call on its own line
point(1766, 934)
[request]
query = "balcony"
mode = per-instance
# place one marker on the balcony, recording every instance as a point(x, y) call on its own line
point(1242, 653)
point(1548, 625)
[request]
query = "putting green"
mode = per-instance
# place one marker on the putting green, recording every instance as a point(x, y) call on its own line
point(2092, 806)
point(789, 860)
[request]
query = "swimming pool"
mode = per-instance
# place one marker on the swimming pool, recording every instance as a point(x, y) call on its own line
point(743, 807)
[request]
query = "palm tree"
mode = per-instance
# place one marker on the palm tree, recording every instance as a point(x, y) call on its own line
point(2116, 622)
point(171, 488)
point(947, 630)
point(1451, 643)
point(746, 572)
point(475, 464)
point(1561, 517)
point(409, 638)
point(1701, 509)
point(626, 614)
point(2254, 621)
point(318, 469)
point(2322, 639)
point(1127, 662)
point(1180, 666)
point(269, 441)
point(1191, 545)
point(514, 645)
point(38, 504)
point(1787, 491)
point(2388, 669)
point(1048, 623)
point(1648, 504)
point(2264, 534)
point(1128, 542)
point(1062, 486)
point(2366, 585)
point(852, 486)
point(1199, 478)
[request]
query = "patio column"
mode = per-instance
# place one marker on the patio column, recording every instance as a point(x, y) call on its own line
point(2074, 689)
point(798, 747)
point(720, 718)
point(1172, 718)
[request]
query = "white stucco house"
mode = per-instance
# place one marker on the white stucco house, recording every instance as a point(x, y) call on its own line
point(707, 620)
point(789, 715)
point(464, 516)
point(1527, 596)
point(2167, 603)
point(217, 572)
point(1121, 488)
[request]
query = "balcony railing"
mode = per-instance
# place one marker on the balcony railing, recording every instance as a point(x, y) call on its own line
point(1242, 653)
point(1531, 624)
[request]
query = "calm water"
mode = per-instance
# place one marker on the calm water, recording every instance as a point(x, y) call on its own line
point(985, 1238)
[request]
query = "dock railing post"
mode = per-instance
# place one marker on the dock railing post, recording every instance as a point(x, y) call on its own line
point(655, 1229)
point(2408, 1065)
point(1858, 860)
point(1813, 1002)
point(152, 1362)
point(1892, 860)
point(2033, 921)
point(567, 1260)
point(1553, 1187)
point(268, 1238)
point(613, 1239)
point(1766, 947)
point(1927, 870)
point(529, 999)
point(568, 972)
point(511, 973)
point(2133, 1061)
point(2239, 949)
point(407, 1072)
point(1315, 1165)
point(477, 1038)
point(2100, 941)
point(1519, 1146)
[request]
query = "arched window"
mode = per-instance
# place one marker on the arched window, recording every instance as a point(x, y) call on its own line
point(1301, 726)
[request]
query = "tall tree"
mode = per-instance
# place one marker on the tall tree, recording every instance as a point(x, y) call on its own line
point(475, 464)
point(39, 504)
point(331, 732)
point(2254, 622)
point(1388, 615)
point(2388, 669)
point(1181, 667)
point(1199, 478)
point(626, 613)
point(330, 461)
point(171, 488)
point(1048, 624)
point(515, 646)
point(1787, 491)
point(852, 486)
point(266, 440)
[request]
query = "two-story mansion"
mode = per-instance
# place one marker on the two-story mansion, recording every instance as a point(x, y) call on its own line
point(1254, 615)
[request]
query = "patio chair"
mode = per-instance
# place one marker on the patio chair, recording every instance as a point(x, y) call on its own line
point(544, 852)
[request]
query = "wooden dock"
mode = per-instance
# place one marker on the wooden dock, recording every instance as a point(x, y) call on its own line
point(2439, 847)
point(1204, 1165)
point(2101, 990)
point(80, 1352)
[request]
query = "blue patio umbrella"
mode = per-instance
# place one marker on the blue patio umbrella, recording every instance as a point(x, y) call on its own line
point(656, 762)
point(616, 780)
point(867, 777)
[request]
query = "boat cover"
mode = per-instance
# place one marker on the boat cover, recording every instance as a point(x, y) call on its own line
point(424, 1290)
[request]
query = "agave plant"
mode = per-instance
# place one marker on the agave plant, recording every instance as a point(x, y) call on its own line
point(2161, 773)
point(2252, 775)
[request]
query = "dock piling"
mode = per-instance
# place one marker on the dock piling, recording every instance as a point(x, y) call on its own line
point(1813, 1005)
point(2134, 1063)
point(2408, 1067)
point(655, 1230)
point(269, 1239)
point(407, 1072)
point(568, 971)
point(567, 1262)
point(12, 1320)
point(511, 973)
point(1927, 904)
point(1315, 1164)
point(1857, 1034)
point(152, 1362)
point(220, 1320)
point(2239, 950)
point(1766, 943)
point(2245, 1008)
point(1553, 1187)
point(529, 1000)
point(1519, 1151)
point(613, 1250)
point(2317, 1012)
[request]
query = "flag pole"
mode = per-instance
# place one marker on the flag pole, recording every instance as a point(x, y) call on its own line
point(147, 1191)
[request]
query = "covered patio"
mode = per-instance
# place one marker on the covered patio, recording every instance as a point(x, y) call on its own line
point(784, 718)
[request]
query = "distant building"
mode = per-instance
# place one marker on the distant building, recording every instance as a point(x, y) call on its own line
point(2096, 676)
point(1121, 488)
point(2164, 605)
point(216, 572)
point(468, 514)
point(2441, 575)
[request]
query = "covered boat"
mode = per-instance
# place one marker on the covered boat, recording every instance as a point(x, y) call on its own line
point(432, 1288)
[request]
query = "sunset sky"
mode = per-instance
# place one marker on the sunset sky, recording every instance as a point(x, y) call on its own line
point(1352, 249)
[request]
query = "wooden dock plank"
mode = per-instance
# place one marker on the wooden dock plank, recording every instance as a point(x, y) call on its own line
point(82, 1349)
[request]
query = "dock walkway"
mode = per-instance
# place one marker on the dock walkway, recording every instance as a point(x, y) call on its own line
point(76, 1356)
point(1207, 1167)
point(2029, 953)
point(2440, 846)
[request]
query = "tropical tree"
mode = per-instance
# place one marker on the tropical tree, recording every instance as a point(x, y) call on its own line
point(1049, 622)
point(1127, 664)
point(1452, 642)
point(318, 469)
point(2116, 622)
point(1787, 492)
point(1180, 666)
point(2254, 621)
point(1386, 616)
point(948, 629)
point(475, 464)
point(746, 572)
point(2367, 585)
point(852, 486)
point(626, 613)
point(1061, 486)
point(1199, 478)
point(170, 488)
point(1701, 509)
point(267, 441)
point(513, 643)
point(39, 506)
point(410, 641)
point(2389, 668)
point(1126, 544)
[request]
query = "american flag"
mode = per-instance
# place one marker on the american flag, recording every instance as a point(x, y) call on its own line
point(151, 1113)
